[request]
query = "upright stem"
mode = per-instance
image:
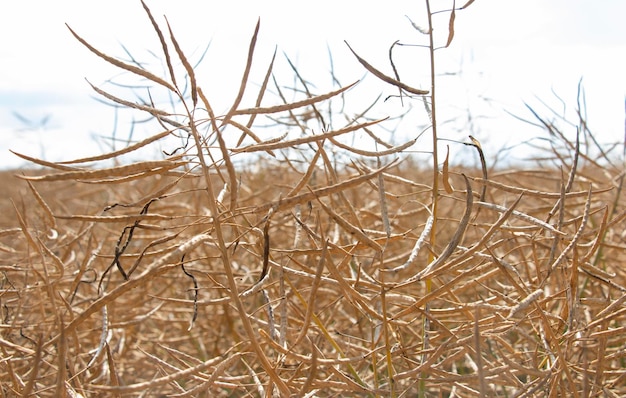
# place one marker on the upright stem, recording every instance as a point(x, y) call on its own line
point(435, 190)
point(232, 285)
point(434, 123)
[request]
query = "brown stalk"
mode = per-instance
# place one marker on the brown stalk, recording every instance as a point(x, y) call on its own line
point(351, 229)
point(133, 105)
point(261, 94)
point(56, 261)
point(292, 116)
point(61, 377)
point(34, 369)
point(225, 257)
point(609, 310)
point(303, 140)
point(166, 52)
point(416, 248)
point(24, 228)
point(49, 218)
point(304, 84)
point(123, 151)
point(363, 152)
point(195, 292)
point(559, 224)
point(232, 175)
point(552, 341)
point(446, 174)
point(130, 68)
point(312, 373)
point(386, 78)
point(161, 380)
point(450, 37)
point(246, 74)
point(266, 247)
point(307, 175)
point(387, 341)
point(41, 162)
point(332, 179)
point(185, 62)
point(114, 380)
point(293, 105)
point(121, 218)
point(118, 171)
point(219, 371)
point(482, 382)
point(325, 333)
point(534, 192)
point(159, 171)
point(468, 253)
point(358, 299)
point(395, 70)
point(308, 359)
point(483, 165)
point(383, 204)
point(426, 365)
point(456, 238)
point(156, 268)
point(311, 301)
point(522, 216)
point(376, 139)
point(246, 131)
point(321, 192)
point(572, 244)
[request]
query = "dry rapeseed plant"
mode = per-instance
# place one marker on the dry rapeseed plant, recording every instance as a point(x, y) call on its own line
point(194, 276)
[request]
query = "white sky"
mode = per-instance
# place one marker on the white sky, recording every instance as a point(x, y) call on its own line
point(510, 52)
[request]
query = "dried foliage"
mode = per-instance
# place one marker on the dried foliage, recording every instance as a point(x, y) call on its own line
point(196, 276)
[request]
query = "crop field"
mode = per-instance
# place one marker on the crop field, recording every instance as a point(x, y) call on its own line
point(314, 268)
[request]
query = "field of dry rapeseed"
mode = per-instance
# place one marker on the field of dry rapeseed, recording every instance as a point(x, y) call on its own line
point(301, 274)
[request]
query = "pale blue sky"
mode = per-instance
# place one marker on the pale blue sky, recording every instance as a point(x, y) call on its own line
point(508, 51)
